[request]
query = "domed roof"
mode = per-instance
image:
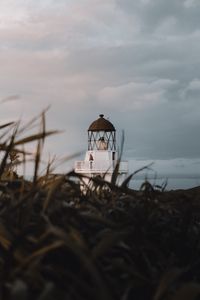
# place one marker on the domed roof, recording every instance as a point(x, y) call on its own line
point(101, 124)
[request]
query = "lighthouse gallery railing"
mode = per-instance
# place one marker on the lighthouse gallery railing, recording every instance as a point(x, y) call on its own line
point(87, 167)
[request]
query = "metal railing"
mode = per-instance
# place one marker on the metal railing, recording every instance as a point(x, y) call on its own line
point(94, 167)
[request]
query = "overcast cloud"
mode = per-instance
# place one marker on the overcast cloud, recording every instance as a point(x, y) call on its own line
point(136, 61)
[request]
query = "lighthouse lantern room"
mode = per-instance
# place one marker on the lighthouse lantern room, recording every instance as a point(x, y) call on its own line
point(101, 156)
point(102, 135)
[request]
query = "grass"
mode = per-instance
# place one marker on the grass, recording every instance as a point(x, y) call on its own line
point(116, 243)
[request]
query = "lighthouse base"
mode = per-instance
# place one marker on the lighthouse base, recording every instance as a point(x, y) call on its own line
point(100, 164)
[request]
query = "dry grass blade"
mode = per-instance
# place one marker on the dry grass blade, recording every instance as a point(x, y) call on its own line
point(24, 160)
point(6, 125)
point(116, 170)
point(54, 163)
point(37, 161)
point(31, 123)
point(5, 133)
point(39, 147)
point(10, 98)
point(125, 183)
point(53, 188)
point(4, 237)
point(35, 137)
point(43, 127)
point(49, 169)
point(4, 147)
point(8, 150)
point(128, 179)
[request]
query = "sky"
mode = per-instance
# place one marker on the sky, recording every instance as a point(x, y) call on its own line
point(135, 61)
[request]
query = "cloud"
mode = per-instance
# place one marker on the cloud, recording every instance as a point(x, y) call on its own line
point(191, 91)
point(135, 96)
point(12, 12)
point(155, 13)
point(191, 3)
point(135, 61)
point(194, 85)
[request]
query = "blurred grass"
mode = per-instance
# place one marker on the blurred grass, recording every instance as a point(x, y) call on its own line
point(109, 243)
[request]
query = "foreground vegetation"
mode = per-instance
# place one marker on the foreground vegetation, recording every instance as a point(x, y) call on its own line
point(109, 243)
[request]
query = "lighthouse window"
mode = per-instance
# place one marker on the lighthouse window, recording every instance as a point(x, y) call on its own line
point(91, 157)
point(113, 156)
point(91, 161)
point(102, 144)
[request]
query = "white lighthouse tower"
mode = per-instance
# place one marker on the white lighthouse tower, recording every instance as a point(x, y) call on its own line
point(101, 156)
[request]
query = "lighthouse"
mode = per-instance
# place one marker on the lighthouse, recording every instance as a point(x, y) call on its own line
point(101, 156)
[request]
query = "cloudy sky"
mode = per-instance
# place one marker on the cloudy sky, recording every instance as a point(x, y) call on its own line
point(136, 61)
